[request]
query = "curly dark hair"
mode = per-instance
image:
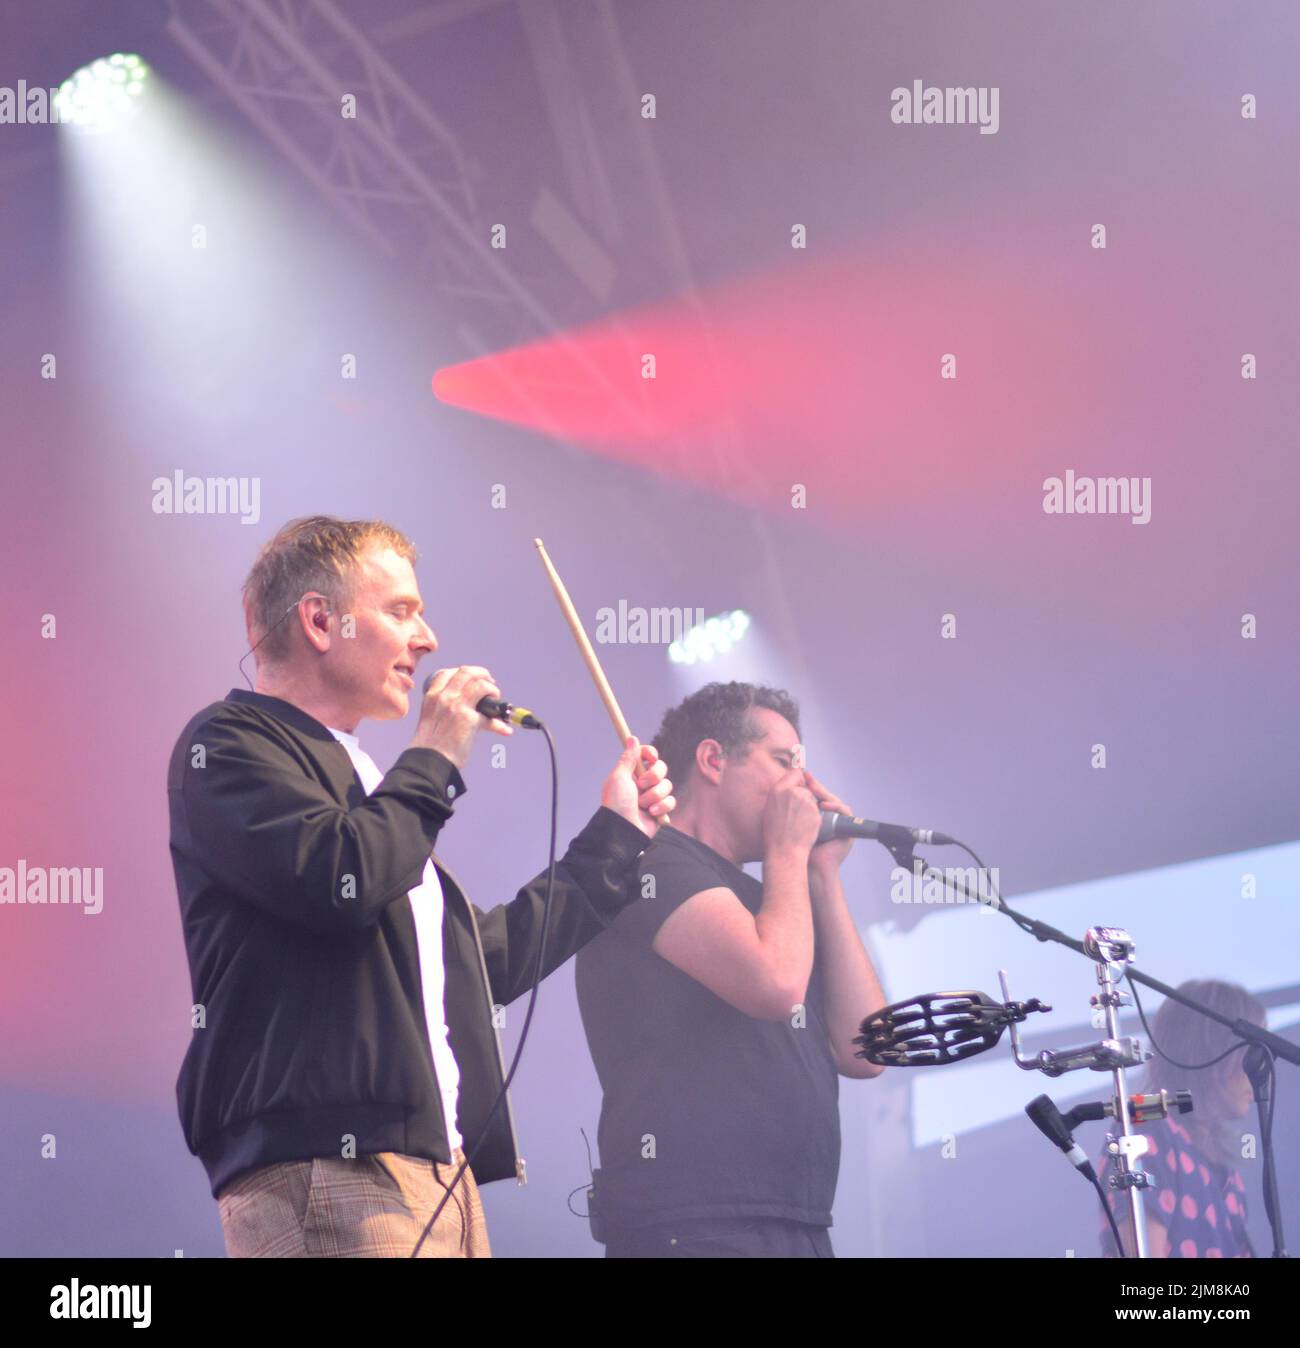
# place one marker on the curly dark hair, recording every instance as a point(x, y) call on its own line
point(718, 711)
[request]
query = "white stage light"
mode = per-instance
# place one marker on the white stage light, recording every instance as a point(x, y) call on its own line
point(715, 636)
point(104, 94)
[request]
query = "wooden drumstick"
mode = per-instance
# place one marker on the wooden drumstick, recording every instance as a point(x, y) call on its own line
point(621, 728)
point(584, 645)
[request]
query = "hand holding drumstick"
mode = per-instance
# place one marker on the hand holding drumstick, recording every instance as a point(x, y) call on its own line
point(639, 788)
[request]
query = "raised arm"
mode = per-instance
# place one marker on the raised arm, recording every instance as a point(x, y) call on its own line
point(594, 881)
point(759, 963)
point(853, 989)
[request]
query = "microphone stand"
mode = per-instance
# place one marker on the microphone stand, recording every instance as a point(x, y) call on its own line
point(1113, 1054)
point(1129, 1146)
point(1266, 1045)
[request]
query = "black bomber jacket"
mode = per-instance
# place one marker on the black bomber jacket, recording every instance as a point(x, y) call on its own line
point(310, 1034)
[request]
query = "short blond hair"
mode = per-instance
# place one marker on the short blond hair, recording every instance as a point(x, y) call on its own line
point(316, 554)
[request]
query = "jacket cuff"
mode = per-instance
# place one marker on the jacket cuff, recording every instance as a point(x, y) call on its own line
point(617, 843)
point(439, 771)
point(623, 840)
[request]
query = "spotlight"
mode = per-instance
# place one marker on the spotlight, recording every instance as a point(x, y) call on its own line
point(715, 636)
point(103, 94)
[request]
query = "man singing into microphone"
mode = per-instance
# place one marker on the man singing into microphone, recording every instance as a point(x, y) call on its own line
point(344, 1055)
point(720, 1011)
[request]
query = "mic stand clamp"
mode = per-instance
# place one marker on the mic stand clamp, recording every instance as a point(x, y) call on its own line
point(1104, 1056)
point(1111, 949)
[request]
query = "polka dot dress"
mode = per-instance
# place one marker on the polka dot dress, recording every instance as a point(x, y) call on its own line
point(1201, 1205)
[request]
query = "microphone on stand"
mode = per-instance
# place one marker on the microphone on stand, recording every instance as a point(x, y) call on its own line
point(1045, 1116)
point(892, 835)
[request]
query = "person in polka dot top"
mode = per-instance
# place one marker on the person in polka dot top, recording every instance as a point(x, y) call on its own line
point(1197, 1206)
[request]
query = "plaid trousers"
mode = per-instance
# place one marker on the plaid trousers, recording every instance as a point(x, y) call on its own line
point(373, 1207)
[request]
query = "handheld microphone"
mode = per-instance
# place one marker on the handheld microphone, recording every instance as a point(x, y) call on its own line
point(892, 835)
point(498, 709)
point(1045, 1116)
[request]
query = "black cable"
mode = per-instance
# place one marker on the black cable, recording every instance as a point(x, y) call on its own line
point(273, 626)
point(1110, 1217)
point(1272, 1103)
point(1002, 907)
point(1266, 1122)
point(1182, 1066)
point(568, 1202)
point(532, 1000)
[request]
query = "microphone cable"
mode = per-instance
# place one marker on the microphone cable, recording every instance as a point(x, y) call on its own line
point(532, 998)
point(1182, 1066)
point(1110, 1216)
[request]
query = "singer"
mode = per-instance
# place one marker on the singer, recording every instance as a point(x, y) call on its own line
point(344, 1055)
point(720, 1011)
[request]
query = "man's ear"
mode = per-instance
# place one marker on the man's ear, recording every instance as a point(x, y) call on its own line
point(314, 613)
point(709, 756)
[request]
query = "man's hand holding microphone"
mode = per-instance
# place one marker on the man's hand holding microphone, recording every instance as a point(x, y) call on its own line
point(638, 788)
